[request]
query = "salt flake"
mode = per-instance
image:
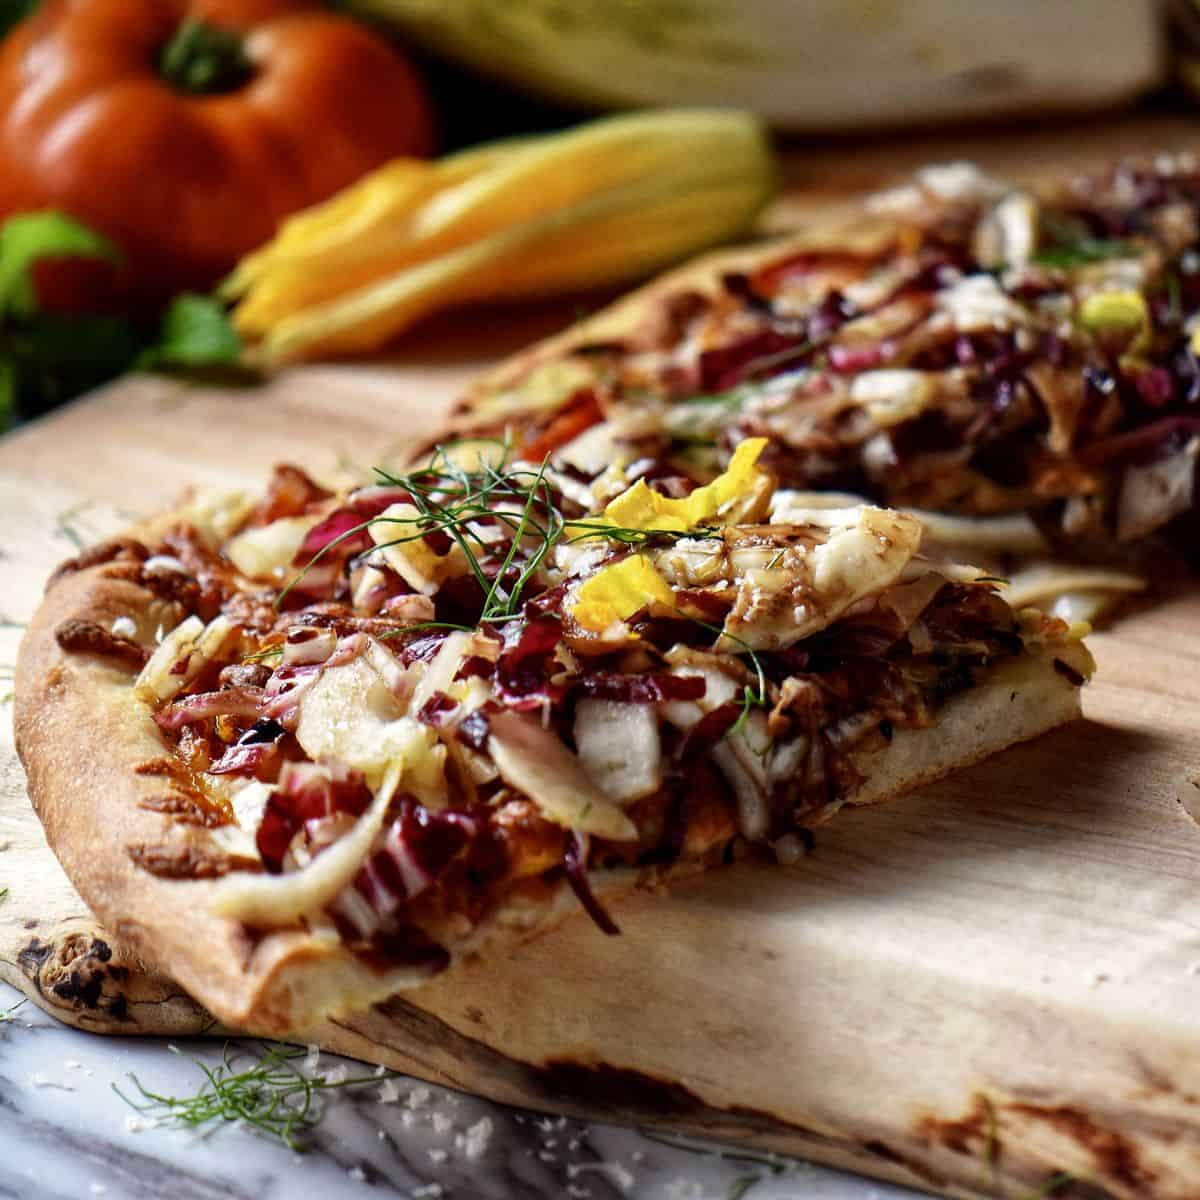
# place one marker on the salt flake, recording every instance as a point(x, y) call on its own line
point(618, 1175)
point(478, 1137)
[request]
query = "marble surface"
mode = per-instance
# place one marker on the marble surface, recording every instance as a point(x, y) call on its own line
point(65, 1133)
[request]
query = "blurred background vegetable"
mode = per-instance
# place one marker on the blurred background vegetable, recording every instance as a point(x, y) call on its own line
point(59, 334)
point(184, 131)
point(601, 204)
point(819, 65)
point(146, 145)
point(185, 136)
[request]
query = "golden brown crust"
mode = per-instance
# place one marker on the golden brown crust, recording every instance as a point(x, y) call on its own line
point(1020, 699)
point(859, 232)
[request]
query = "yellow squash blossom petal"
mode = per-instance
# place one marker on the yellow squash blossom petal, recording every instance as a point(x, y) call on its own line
point(615, 593)
point(640, 507)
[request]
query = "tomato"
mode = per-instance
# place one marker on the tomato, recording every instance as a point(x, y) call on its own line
point(185, 130)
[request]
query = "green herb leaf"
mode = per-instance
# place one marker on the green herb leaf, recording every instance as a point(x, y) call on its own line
point(266, 1089)
point(28, 237)
point(511, 496)
point(13, 12)
point(1082, 251)
point(195, 332)
point(732, 398)
point(48, 357)
point(742, 1185)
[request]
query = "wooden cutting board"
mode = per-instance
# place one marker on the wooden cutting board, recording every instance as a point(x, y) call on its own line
point(991, 988)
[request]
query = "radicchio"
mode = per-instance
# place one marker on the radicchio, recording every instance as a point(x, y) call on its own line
point(418, 847)
point(642, 689)
point(724, 366)
point(284, 691)
point(527, 662)
point(231, 702)
point(344, 528)
point(307, 793)
point(575, 866)
point(858, 356)
point(1156, 440)
point(708, 731)
point(255, 753)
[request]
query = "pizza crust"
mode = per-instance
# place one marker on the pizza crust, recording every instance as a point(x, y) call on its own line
point(858, 233)
point(1019, 700)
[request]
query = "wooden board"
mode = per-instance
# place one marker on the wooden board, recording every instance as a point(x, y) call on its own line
point(984, 989)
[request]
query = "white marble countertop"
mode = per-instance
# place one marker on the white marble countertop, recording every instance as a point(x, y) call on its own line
point(65, 1133)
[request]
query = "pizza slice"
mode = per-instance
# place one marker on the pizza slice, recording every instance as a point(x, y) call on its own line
point(306, 749)
point(956, 345)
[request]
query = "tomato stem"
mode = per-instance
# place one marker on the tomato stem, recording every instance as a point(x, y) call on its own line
point(204, 59)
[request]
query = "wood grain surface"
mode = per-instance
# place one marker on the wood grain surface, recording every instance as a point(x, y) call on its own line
point(991, 988)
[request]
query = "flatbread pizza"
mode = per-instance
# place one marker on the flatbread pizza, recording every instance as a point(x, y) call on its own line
point(956, 346)
point(305, 748)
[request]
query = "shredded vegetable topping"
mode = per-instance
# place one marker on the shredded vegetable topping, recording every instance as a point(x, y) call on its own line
point(404, 707)
point(990, 351)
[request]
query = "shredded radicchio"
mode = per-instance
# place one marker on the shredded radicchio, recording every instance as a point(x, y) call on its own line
point(232, 702)
point(709, 730)
point(473, 730)
point(1146, 444)
point(307, 793)
point(343, 529)
point(527, 662)
point(769, 351)
point(642, 689)
point(254, 753)
point(418, 847)
point(575, 867)
point(284, 690)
